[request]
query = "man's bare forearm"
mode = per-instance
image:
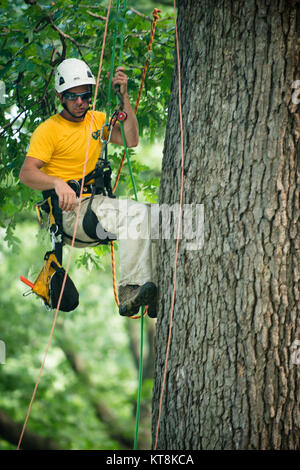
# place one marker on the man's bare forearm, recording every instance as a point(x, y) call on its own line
point(131, 127)
point(36, 179)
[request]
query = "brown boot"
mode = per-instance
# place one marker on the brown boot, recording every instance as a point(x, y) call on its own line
point(132, 297)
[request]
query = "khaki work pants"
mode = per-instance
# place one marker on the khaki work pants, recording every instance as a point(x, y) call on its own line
point(130, 221)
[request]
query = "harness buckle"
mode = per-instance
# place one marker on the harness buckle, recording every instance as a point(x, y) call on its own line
point(75, 185)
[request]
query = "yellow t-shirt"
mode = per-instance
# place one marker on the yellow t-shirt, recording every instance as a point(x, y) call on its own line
point(62, 145)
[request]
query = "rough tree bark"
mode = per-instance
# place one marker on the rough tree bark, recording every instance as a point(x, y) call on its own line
point(233, 380)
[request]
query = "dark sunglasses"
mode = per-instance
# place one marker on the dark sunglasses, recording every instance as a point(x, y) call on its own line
point(69, 95)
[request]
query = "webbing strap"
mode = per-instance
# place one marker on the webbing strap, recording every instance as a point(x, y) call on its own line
point(51, 216)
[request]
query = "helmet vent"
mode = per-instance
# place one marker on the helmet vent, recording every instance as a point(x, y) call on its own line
point(71, 73)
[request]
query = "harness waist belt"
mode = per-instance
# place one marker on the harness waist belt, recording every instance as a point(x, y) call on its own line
point(76, 186)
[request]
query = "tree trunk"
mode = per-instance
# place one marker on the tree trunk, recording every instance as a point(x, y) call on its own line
point(233, 371)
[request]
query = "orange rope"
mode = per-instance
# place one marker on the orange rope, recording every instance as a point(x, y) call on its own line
point(155, 19)
point(114, 273)
point(178, 231)
point(74, 234)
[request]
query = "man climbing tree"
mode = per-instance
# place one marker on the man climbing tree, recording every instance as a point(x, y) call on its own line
point(232, 380)
point(55, 162)
point(35, 38)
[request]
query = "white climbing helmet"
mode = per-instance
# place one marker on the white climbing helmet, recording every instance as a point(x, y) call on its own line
point(71, 73)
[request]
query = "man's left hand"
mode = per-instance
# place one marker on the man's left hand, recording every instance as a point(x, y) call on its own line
point(120, 78)
point(131, 127)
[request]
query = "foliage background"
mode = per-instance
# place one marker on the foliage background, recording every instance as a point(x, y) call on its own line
point(87, 395)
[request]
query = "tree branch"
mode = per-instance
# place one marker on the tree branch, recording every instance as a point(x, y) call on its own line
point(103, 413)
point(10, 431)
point(138, 13)
point(100, 17)
point(49, 19)
point(55, 52)
point(66, 36)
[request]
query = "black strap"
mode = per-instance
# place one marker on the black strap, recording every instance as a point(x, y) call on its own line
point(55, 229)
point(90, 223)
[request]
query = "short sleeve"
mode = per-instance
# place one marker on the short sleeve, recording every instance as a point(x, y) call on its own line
point(42, 142)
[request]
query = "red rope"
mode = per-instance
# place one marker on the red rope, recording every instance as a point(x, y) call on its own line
point(152, 34)
point(74, 235)
point(178, 232)
point(155, 15)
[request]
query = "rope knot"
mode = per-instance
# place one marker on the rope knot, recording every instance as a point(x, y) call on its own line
point(155, 13)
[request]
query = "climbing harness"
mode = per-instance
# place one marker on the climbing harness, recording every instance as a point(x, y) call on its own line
point(48, 284)
point(98, 181)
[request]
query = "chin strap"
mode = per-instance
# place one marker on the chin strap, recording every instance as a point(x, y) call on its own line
point(73, 115)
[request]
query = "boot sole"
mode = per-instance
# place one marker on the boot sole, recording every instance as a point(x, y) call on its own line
point(145, 296)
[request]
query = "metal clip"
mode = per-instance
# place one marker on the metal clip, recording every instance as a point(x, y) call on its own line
point(110, 127)
point(28, 292)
